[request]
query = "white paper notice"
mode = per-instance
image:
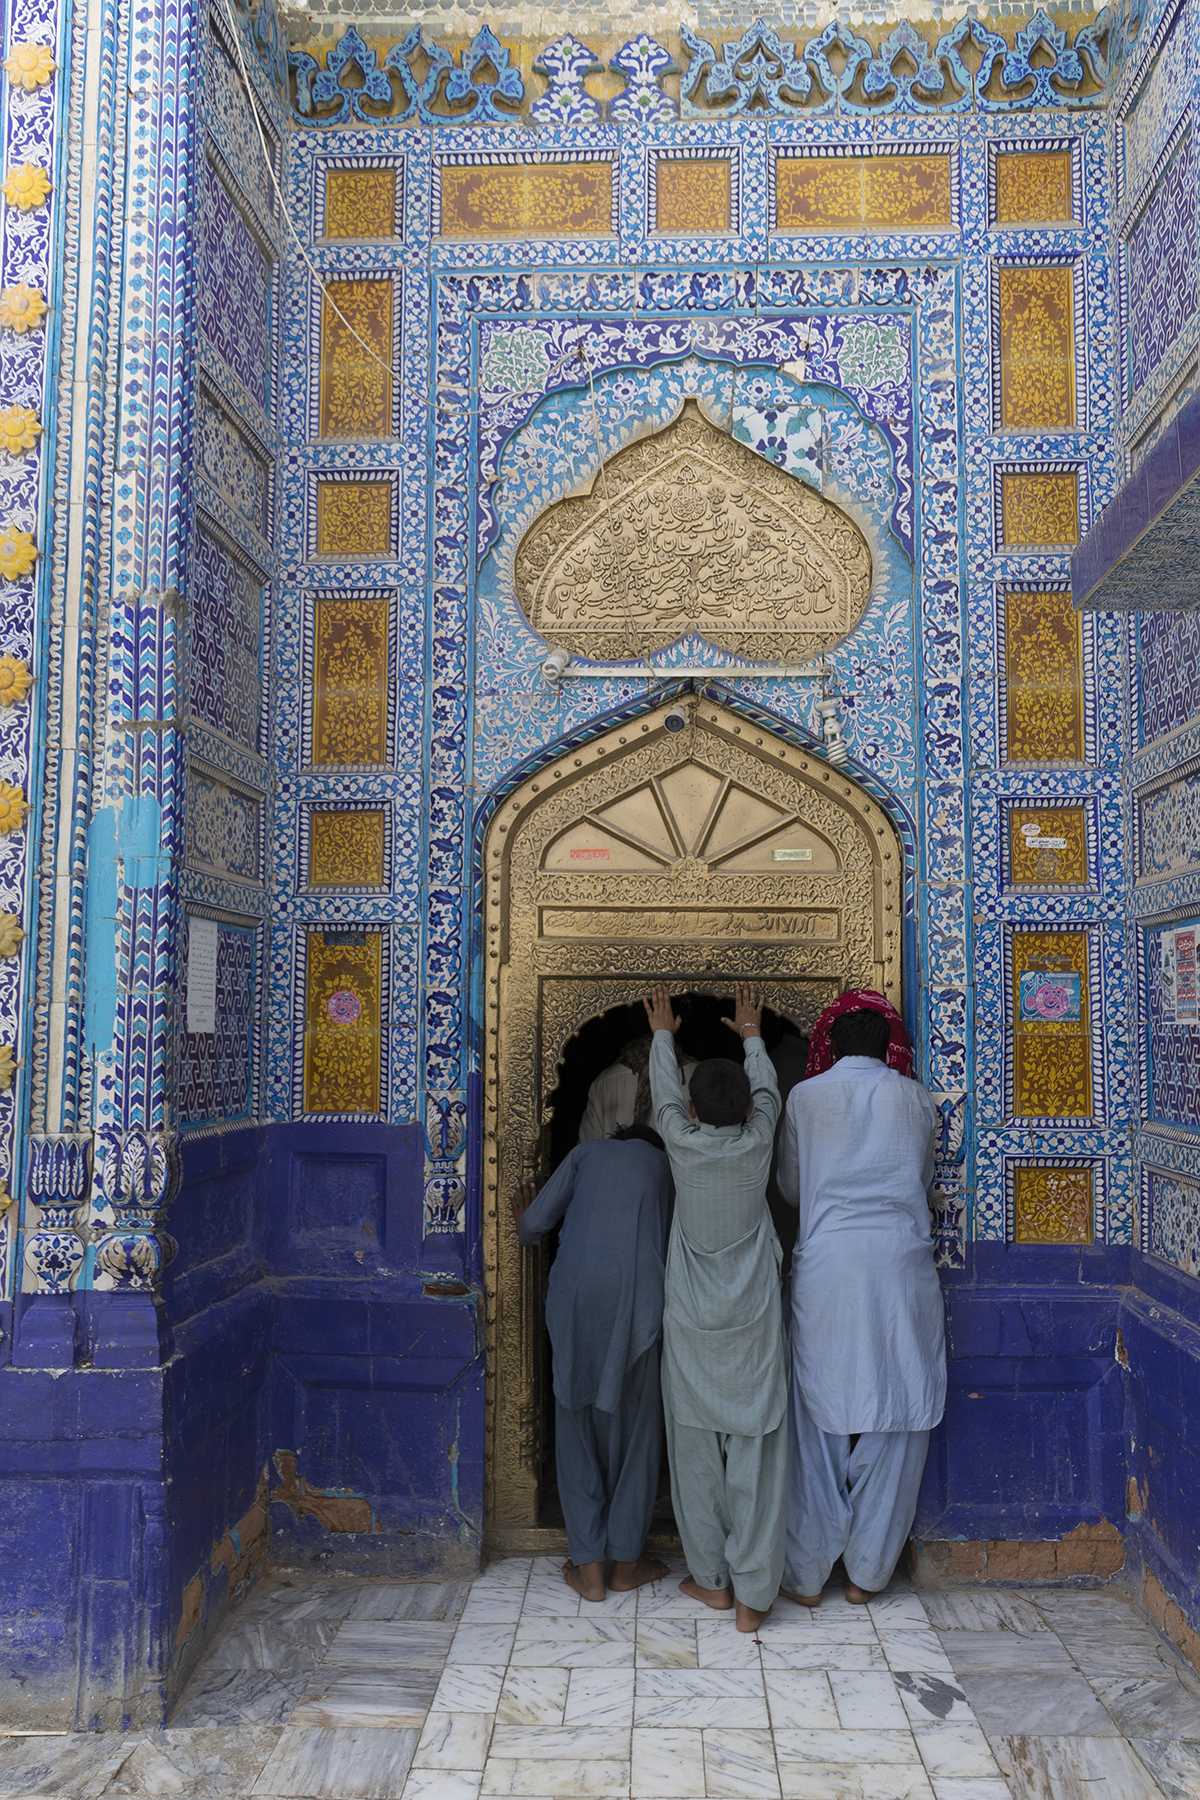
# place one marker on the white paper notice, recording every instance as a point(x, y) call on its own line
point(202, 974)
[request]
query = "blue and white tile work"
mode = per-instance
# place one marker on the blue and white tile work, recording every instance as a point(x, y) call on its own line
point(246, 1283)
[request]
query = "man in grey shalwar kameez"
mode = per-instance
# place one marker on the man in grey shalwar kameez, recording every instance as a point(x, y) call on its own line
point(724, 1349)
point(868, 1342)
point(604, 1314)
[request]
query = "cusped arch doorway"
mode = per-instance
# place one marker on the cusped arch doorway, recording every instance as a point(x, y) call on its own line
point(701, 851)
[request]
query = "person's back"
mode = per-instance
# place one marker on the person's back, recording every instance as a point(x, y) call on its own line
point(604, 1307)
point(724, 1350)
point(604, 1299)
point(868, 1343)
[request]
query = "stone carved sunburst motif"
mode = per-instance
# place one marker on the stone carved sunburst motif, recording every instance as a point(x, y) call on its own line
point(687, 532)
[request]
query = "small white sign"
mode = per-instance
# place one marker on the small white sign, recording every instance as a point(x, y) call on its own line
point(791, 856)
point(202, 974)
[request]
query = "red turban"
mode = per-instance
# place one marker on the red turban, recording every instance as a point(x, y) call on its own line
point(820, 1050)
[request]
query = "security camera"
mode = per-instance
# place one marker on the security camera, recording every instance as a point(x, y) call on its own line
point(675, 719)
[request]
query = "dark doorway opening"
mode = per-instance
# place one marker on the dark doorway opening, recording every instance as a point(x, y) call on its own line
point(595, 1046)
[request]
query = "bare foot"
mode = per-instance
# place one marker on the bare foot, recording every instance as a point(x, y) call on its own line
point(720, 1599)
point(800, 1599)
point(857, 1596)
point(628, 1575)
point(587, 1579)
point(748, 1619)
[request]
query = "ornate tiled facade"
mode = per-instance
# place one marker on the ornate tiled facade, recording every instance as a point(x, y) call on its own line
point(382, 341)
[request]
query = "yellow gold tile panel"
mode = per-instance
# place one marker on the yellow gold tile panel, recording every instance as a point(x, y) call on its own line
point(1053, 1206)
point(1044, 669)
point(1047, 846)
point(1037, 349)
point(693, 194)
point(350, 683)
point(356, 360)
point(1052, 1061)
point(354, 518)
point(1041, 507)
point(534, 199)
point(345, 849)
point(1033, 187)
point(852, 193)
point(341, 1024)
point(360, 203)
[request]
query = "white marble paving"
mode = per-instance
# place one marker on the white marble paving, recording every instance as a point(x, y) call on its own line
point(351, 1689)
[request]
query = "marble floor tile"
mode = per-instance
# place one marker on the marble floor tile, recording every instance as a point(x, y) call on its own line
point(1142, 1708)
point(662, 1599)
point(613, 1606)
point(431, 1600)
point(595, 1643)
point(845, 1626)
point(703, 1710)
point(331, 1598)
point(862, 1781)
point(390, 1644)
point(816, 1653)
point(454, 1741)
point(1175, 1765)
point(666, 1643)
point(917, 1652)
point(1073, 1768)
point(800, 1700)
point(955, 1750)
point(982, 1612)
point(469, 1687)
point(740, 1763)
point(830, 1748)
point(971, 1787)
point(547, 1598)
point(209, 1761)
point(1018, 1652)
point(71, 1765)
point(559, 1743)
point(867, 1702)
point(932, 1697)
point(1055, 1705)
point(720, 1645)
point(442, 1784)
point(282, 1643)
point(566, 1780)
point(534, 1697)
point(239, 1697)
point(667, 1764)
point(482, 1644)
point(598, 1697)
point(1113, 1648)
point(1059, 1604)
point(504, 1571)
point(337, 1763)
point(399, 1698)
point(898, 1609)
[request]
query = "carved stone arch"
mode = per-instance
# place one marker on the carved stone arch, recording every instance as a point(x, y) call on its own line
point(688, 532)
point(704, 856)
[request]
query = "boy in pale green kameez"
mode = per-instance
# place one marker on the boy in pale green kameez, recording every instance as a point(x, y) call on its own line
point(724, 1366)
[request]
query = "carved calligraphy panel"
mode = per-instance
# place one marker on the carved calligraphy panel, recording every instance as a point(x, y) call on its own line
point(686, 532)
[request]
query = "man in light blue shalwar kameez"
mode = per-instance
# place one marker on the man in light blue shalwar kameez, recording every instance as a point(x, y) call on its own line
point(868, 1338)
point(724, 1350)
